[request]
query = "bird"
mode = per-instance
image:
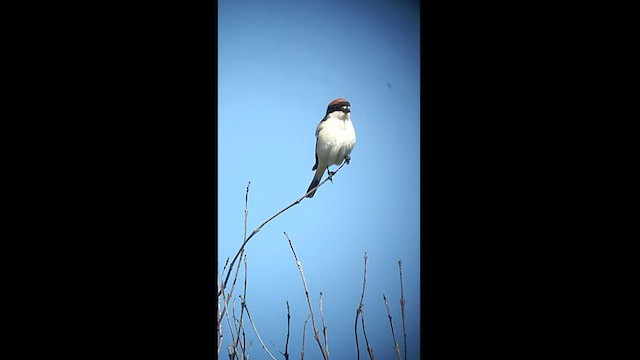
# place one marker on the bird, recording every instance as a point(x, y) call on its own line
point(335, 139)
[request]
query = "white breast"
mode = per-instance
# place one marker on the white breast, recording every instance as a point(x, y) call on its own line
point(336, 139)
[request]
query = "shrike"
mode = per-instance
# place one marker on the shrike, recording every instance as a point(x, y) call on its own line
point(335, 138)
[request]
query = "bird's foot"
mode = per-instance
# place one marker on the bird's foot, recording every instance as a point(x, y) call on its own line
point(347, 159)
point(330, 173)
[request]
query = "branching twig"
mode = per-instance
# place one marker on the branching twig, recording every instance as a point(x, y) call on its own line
point(286, 345)
point(234, 343)
point(404, 325)
point(235, 277)
point(219, 325)
point(244, 304)
point(224, 284)
point(304, 328)
point(243, 343)
point(306, 292)
point(395, 343)
point(324, 328)
point(360, 312)
point(220, 313)
point(244, 296)
point(237, 343)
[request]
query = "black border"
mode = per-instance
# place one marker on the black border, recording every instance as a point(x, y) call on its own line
point(133, 182)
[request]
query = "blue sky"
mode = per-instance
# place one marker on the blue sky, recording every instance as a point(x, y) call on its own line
point(280, 63)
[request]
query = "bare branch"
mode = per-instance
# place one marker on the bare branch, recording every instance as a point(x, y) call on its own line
point(360, 312)
point(223, 269)
point(222, 286)
point(304, 328)
point(235, 277)
point(395, 343)
point(240, 342)
point(402, 302)
point(324, 328)
point(244, 296)
point(234, 342)
point(219, 309)
point(246, 210)
point(306, 292)
point(286, 345)
point(366, 340)
point(355, 328)
point(244, 304)
point(297, 201)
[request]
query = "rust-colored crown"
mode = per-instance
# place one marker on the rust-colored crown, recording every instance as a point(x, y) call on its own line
point(338, 101)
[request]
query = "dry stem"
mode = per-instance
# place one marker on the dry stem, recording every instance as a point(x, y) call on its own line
point(297, 201)
point(306, 292)
point(235, 277)
point(244, 304)
point(286, 345)
point(324, 328)
point(404, 324)
point(220, 311)
point(234, 343)
point(222, 287)
point(360, 312)
point(395, 343)
point(243, 343)
point(304, 329)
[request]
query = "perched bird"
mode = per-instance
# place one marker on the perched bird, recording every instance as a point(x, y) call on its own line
point(335, 138)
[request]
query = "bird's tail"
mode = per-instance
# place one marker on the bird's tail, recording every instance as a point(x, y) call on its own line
point(314, 183)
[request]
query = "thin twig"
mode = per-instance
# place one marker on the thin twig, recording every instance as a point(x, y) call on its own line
point(244, 304)
point(246, 210)
point(244, 296)
point(219, 325)
point(297, 201)
point(220, 314)
point(223, 286)
point(237, 343)
point(286, 345)
point(355, 330)
point(366, 340)
point(402, 302)
point(224, 267)
point(235, 277)
point(324, 328)
point(304, 329)
point(306, 292)
point(360, 312)
point(234, 342)
point(230, 294)
point(395, 343)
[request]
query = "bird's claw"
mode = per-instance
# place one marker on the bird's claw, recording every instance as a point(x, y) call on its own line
point(347, 159)
point(331, 173)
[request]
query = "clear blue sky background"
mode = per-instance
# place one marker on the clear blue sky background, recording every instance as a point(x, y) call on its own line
point(279, 65)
